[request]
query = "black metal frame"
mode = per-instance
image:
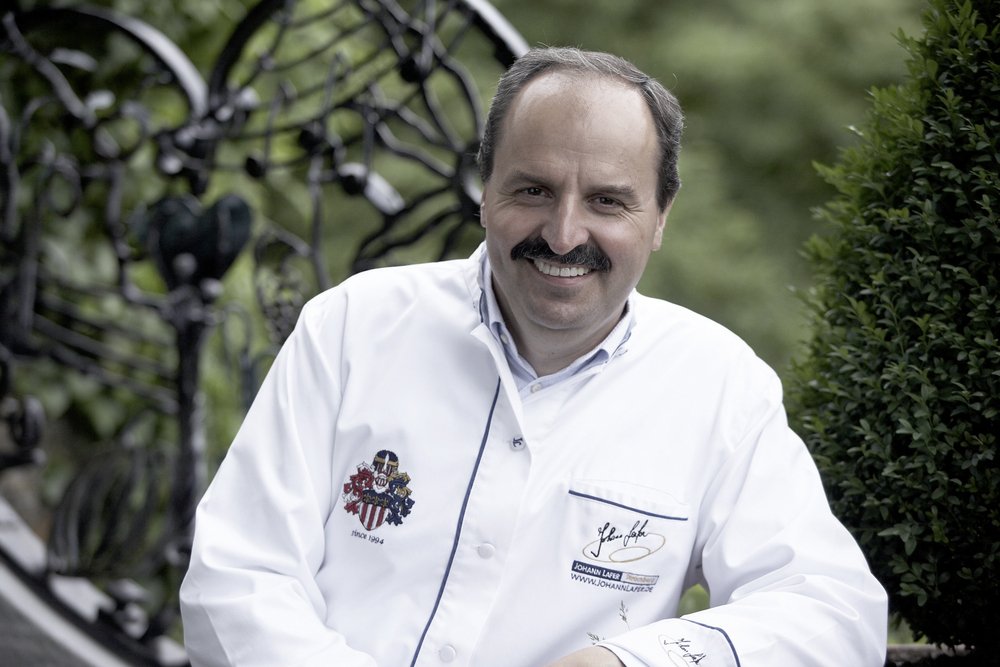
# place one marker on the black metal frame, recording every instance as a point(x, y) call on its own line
point(112, 260)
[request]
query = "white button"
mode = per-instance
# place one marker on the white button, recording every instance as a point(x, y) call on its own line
point(517, 444)
point(504, 339)
point(486, 550)
point(447, 653)
point(535, 388)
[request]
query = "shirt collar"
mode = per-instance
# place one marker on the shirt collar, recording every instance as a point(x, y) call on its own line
point(524, 374)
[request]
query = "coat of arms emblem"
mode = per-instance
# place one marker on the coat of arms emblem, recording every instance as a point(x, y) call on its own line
point(378, 493)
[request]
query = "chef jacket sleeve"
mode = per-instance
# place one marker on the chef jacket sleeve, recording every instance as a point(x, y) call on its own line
point(250, 595)
point(788, 584)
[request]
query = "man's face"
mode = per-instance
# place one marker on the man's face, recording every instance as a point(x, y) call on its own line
point(573, 195)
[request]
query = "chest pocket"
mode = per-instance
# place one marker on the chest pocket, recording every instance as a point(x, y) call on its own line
point(624, 530)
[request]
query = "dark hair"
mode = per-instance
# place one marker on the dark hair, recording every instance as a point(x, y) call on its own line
point(664, 107)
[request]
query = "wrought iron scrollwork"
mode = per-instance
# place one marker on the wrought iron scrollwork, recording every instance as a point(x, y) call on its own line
point(146, 211)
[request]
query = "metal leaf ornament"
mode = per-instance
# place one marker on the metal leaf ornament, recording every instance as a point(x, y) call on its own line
point(190, 244)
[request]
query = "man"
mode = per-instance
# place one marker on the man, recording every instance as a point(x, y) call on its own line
point(516, 459)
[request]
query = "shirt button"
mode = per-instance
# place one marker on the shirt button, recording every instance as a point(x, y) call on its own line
point(517, 444)
point(447, 653)
point(486, 550)
point(535, 388)
point(504, 339)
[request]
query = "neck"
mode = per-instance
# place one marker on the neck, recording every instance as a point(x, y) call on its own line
point(551, 350)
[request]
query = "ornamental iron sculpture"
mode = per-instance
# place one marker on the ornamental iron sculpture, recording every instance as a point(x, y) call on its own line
point(151, 217)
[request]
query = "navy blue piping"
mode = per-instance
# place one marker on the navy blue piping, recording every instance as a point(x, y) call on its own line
point(728, 640)
point(633, 509)
point(461, 520)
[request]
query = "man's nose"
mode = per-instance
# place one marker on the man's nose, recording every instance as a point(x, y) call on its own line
point(565, 228)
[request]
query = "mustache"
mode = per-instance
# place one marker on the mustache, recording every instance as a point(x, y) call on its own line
point(589, 256)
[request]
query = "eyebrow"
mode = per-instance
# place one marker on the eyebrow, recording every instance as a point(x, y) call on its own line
point(622, 191)
point(520, 176)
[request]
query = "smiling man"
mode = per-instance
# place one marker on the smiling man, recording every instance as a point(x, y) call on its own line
point(571, 212)
point(517, 459)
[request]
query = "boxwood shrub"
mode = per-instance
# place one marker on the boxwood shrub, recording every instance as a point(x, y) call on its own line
point(898, 391)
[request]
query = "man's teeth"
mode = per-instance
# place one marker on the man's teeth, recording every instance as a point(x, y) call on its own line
point(561, 271)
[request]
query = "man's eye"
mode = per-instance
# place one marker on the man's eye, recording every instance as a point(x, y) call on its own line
point(532, 191)
point(607, 202)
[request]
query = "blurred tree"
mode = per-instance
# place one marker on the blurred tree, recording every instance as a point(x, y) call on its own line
point(898, 395)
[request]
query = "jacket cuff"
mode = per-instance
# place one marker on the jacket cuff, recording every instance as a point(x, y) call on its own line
point(674, 642)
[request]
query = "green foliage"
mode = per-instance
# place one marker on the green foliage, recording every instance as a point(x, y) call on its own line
point(898, 395)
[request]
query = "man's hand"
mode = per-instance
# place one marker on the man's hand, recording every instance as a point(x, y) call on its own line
point(594, 656)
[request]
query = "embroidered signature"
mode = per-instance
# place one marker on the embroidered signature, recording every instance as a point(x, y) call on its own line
point(681, 649)
point(608, 533)
point(623, 546)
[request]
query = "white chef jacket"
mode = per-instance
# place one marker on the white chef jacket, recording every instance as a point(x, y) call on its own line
point(391, 500)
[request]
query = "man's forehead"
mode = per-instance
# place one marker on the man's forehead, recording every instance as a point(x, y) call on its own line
point(564, 99)
point(568, 84)
point(565, 118)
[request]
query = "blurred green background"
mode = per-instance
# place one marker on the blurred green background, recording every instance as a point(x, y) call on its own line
point(769, 87)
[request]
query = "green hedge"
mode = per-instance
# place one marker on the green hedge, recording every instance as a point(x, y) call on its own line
point(898, 391)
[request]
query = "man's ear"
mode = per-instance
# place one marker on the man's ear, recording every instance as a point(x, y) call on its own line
point(661, 224)
point(482, 209)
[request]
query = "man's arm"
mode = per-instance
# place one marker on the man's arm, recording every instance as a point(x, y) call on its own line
point(250, 595)
point(788, 584)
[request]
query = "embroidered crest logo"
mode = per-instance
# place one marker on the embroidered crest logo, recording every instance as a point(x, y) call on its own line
point(378, 493)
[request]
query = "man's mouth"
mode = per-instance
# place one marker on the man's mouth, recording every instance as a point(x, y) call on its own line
point(579, 261)
point(559, 271)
